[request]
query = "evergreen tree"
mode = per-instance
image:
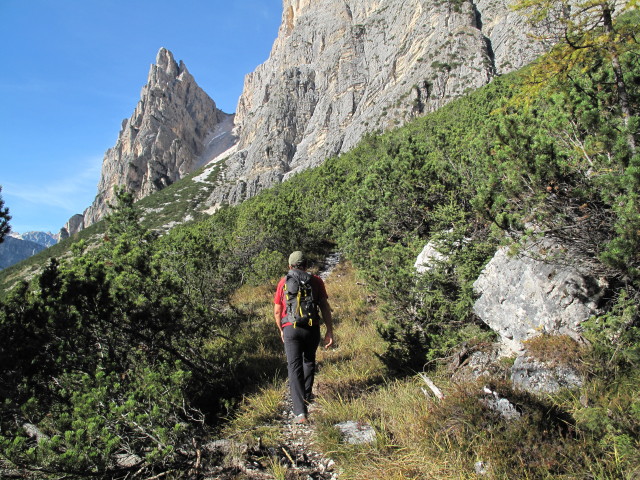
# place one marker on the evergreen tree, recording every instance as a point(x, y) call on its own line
point(587, 33)
point(4, 219)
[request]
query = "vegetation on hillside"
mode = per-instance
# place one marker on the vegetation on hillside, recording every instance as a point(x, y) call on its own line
point(121, 359)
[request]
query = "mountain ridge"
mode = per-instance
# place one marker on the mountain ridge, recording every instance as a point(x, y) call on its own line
point(339, 70)
point(17, 247)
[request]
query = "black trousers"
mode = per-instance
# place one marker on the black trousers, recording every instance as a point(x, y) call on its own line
point(300, 345)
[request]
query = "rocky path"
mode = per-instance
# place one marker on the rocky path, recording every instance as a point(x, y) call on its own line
point(298, 452)
point(329, 264)
point(295, 458)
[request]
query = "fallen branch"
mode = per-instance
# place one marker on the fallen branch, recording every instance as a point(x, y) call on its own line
point(293, 462)
point(436, 391)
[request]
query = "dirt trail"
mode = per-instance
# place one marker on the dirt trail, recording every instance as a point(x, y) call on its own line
point(299, 457)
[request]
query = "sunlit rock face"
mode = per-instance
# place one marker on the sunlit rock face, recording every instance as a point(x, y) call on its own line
point(337, 70)
point(340, 69)
point(523, 296)
point(163, 140)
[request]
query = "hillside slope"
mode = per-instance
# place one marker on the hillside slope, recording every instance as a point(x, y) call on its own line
point(129, 354)
point(338, 70)
point(171, 131)
point(14, 250)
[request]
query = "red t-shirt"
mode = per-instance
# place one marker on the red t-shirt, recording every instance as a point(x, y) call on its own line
point(279, 297)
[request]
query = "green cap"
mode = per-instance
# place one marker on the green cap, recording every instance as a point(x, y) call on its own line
point(296, 258)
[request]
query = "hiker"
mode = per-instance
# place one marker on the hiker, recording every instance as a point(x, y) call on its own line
point(299, 298)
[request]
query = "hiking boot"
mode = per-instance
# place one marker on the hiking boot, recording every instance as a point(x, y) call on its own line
point(300, 419)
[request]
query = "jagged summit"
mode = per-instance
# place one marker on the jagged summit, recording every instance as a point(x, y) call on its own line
point(166, 63)
point(162, 141)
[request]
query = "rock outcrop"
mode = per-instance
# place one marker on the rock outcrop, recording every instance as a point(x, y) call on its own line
point(529, 294)
point(173, 130)
point(537, 376)
point(339, 69)
point(73, 225)
point(521, 297)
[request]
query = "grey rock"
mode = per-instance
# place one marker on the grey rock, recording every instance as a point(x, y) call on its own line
point(226, 447)
point(356, 433)
point(501, 405)
point(428, 257)
point(337, 71)
point(525, 295)
point(32, 431)
point(437, 250)
point(175, 129)
point(481, 363)
point(480, 468)
point(73, 226)
point(537, 376)
point(341, 69)
point(329, 264)
point(127, 460)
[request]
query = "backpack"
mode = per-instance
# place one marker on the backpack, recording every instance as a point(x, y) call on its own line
point(302, 305)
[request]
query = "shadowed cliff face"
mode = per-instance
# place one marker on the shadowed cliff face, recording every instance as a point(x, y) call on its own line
point(340, 69)
point(162, 141)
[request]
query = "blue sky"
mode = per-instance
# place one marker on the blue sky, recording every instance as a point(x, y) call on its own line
point(72, 70)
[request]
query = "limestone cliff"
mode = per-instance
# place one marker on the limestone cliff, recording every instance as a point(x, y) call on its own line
point(337, 70)
point(341, 68)
point(166, 138)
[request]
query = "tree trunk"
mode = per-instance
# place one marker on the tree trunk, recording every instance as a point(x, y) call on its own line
point(623, 96)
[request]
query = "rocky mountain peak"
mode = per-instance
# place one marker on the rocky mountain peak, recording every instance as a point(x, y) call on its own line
point(165, 138)
point(167, 70)
point(337, 70)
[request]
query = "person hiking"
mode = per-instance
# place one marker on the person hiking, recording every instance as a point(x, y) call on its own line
point(298, 300)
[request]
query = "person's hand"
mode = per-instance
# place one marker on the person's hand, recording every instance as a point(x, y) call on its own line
point(282, 335)
point(328, 340)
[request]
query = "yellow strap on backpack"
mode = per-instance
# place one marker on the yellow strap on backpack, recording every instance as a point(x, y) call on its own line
point(300, 312)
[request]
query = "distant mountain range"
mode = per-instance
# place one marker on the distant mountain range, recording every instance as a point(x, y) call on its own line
point(17, 247)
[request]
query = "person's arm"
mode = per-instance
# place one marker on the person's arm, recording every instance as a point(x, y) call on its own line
point(325, 309)
point(277, 314)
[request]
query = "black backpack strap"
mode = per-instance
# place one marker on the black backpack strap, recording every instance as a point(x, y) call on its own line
point(293, 294)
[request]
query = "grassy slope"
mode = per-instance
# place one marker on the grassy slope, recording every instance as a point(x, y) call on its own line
point(419, 436)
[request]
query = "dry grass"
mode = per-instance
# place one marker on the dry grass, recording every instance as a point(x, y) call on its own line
point(352, 365)
point(252, 421)
point(276, 468)
point(352, 386)
point(557, 350)
point(419, 436)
